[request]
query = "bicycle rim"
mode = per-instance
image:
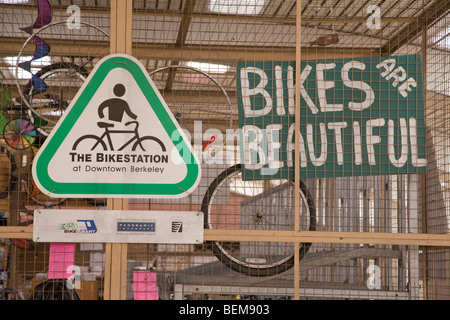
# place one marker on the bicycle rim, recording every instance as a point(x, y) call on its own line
point(64, 88)
point(232, 203)
point(63, 80)
point(197, 100)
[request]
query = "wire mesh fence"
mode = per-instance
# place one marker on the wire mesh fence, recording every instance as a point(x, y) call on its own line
point(370, 147)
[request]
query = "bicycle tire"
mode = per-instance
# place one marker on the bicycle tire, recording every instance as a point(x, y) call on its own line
point(255, 258)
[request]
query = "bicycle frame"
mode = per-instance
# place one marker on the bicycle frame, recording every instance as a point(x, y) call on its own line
point(108, 133)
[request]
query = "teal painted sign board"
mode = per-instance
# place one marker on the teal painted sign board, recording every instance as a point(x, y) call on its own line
point(118, 138)
point(358, 117)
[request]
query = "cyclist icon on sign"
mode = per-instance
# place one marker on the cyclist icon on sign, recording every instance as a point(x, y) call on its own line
point(117, 108)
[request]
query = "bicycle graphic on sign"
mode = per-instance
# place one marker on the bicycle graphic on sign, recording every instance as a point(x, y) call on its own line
point(117, 108)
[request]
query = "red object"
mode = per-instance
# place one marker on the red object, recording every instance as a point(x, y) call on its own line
point(208, 143)
point(325, 40)
point(24, 243)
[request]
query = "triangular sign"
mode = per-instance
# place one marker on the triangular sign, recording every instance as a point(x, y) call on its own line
point(117, 138)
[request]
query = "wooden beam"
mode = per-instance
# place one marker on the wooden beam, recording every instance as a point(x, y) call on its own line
point(116, 253)
point(115, 277)
point(232, 54)
point(121, 26)
point(298, 59)
point(68, 48)
point(412, 239)
point(16, 232)
point(224, 54)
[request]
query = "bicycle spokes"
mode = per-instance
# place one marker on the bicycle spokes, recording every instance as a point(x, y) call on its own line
point(232, 203)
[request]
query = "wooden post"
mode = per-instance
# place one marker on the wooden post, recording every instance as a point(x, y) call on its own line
point(115, 282)
point(424, 175)
point(296, 149)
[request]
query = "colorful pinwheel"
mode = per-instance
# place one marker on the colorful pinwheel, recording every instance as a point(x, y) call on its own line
point(19, 133)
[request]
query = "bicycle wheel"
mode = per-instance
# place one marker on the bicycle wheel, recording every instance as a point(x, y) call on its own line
point(63, 81)
point(7, 167)
point(91, 141)
point(195, 98)
point(147, 143)
point(56, 83)
point(232, 203)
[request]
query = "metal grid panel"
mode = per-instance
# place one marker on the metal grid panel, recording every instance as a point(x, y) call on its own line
point(196, 34)
point(37, 270)
point(436, 258)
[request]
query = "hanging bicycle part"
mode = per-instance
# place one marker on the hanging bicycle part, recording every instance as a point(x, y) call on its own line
point(49, 92)
point(195, 98)
point(232, 203)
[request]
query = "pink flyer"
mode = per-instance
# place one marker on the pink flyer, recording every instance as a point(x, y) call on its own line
point(144, 285)
point(62, 255)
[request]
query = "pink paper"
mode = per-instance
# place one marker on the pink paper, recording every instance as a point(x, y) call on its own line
point(144, 285)
point(62, 255)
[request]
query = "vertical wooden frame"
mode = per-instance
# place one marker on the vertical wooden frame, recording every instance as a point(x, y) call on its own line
point(424, 176)
point(115, 283)
point(298, 54)
point(121, 26)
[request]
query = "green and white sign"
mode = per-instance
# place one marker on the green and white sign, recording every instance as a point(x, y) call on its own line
point(118, 138)
point(358, 117)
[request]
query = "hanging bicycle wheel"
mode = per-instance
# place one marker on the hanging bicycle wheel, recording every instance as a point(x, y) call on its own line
point(20, 133)
point(51, 89)
point(232, 203)
point(197, 100)
point(63, 81)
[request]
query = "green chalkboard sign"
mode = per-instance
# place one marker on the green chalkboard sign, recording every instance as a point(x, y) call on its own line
point(358, 117)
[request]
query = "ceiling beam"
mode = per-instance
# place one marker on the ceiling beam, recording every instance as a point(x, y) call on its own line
point(181, 39)
point(413, 29)
point(221, 16)
point(176, 96)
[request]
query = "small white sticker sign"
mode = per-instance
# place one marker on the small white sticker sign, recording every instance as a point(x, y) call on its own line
point(109, 226)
